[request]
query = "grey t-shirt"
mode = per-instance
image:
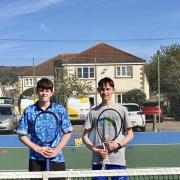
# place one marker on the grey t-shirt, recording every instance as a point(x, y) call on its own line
point(116, 157)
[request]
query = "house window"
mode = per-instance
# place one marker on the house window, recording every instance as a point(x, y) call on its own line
point(58, 74)
point(92, 101)
point(124, 71)
point(85, 72)
point(28, 82)
point(119, 98)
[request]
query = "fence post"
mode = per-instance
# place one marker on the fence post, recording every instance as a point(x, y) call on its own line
point(154, 123)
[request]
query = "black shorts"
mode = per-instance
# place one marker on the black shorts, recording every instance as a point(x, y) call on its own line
point(35, 165)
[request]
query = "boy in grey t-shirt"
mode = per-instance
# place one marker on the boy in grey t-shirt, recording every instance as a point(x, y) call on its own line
point(115, 150)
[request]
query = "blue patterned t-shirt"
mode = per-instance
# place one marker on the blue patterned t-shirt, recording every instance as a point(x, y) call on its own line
point(27, 126)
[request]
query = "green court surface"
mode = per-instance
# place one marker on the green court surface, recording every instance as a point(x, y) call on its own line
point(80, 157)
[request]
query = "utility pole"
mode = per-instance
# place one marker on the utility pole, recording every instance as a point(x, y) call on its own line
point(159, 89)
point(95, 61)
point(34, 83)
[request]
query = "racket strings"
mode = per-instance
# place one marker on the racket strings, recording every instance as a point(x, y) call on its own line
point(109, 125)
point(46, 128)
point(108, 131)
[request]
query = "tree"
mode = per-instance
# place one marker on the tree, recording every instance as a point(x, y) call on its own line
point(135, 96)
point(169, 60)
point(27, 93)
point(72, 87)
point(11, 74)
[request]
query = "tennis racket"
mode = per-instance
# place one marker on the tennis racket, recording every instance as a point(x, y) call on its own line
point(46, 130)
point(109, 126)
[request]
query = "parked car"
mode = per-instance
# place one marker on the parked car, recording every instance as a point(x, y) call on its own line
point(6, 100)
point(150, 109)
point(136, 116)
point(8, 117)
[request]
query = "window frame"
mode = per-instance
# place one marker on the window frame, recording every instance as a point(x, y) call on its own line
point(82, 74)
point(58, 73)
point(124, 71)
point(28, 81)
point(119, 96)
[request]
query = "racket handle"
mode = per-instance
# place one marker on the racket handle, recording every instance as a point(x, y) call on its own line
point(103, 166)
point(106, 160)
point(47, 164)
point(104, 147)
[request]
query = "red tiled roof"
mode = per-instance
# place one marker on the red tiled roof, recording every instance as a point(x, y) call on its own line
point(65, 57)
point(44, 69)
point(104, 54)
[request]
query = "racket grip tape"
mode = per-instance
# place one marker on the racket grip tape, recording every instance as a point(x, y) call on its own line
point(119, 145)
point(47, 165)
point(104, 147)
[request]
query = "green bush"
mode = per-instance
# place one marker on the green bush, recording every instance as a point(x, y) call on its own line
point(134, 96)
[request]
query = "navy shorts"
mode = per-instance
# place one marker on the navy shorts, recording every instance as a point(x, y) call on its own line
point(109, 167)
point(35, 165)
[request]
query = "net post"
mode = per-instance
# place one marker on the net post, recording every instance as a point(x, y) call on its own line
point(69, 178)
point(45, 175)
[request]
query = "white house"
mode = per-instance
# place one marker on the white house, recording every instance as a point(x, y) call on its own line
point(100, 61)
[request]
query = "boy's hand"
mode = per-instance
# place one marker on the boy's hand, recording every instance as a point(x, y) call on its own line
point(47, 152)
point(41, 150)
point(111, 146)
point(101, 152)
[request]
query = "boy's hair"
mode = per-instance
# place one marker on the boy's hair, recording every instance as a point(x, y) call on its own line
point(44, 83)
point(105, 81)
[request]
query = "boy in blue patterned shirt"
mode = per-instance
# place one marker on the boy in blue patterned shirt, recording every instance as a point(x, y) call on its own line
point(39, 154)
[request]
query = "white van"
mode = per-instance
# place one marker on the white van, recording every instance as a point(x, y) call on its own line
point(78, 108)
point(25, 103)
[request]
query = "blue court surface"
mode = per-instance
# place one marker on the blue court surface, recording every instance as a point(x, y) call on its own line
point(140, 138)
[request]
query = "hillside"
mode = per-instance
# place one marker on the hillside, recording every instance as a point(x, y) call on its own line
point(8, 74)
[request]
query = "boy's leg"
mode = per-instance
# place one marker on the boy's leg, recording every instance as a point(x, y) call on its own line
point(57, 167)
point(98, 167)
point(116, 167)
point(41, 166)
point(35, 165)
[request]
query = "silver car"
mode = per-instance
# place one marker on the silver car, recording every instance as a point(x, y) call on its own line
point(8, 118)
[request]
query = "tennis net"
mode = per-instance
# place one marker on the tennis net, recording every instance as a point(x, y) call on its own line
point(132, 174)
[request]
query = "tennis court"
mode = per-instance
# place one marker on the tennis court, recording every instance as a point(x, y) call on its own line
point(159, 149)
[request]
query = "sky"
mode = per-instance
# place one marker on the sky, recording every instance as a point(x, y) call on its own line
point(42, 29)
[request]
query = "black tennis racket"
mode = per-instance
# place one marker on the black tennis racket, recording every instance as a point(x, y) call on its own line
point(46, 129)
point(109, 126)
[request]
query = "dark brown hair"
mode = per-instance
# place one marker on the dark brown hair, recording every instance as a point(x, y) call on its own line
point(44, 83)
point(105, 81)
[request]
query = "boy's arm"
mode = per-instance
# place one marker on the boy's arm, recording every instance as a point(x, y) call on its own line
point(25, 140)
point(50, 153)
point(87, 141)
point(129, 137)
point(63, 142)
point(101, 152)
point(113, 145)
